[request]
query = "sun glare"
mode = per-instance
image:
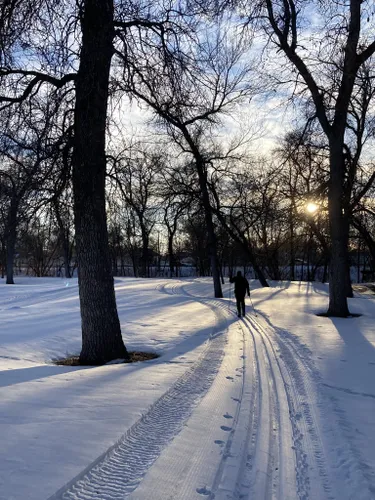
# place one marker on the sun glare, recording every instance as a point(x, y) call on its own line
point(311, 207)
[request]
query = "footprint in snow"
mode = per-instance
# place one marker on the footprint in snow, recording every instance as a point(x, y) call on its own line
point(229, 378)
point(237, 400)
point(203, 491)
point(225, 428)
point(219, 442)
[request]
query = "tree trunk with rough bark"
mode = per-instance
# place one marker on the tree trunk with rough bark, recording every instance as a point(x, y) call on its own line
point(101, 333)
point(338, 270)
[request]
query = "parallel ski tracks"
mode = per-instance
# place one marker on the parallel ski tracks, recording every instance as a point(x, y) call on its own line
point(314, 415)
point(260, 447)
point(268, 452)
point(274, 450)
point(258, 459)
point(118, 472)
point(296, 392)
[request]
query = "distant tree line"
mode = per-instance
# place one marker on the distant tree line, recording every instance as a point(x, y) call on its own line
point(260, 211)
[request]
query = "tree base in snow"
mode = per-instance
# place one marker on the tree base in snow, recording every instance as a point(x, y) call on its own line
point(134, 357)
point(328, 315)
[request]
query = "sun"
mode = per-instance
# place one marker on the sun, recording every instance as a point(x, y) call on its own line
point(311, 207)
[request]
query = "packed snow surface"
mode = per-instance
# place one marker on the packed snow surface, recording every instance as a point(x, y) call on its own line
point(277, 405)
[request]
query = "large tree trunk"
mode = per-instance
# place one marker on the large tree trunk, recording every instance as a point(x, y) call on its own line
point(339, 231)
point(211, 236)
point(101, 333)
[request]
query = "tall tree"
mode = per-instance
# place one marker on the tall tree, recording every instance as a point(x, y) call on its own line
point(101, 332)
point(136, 174)
point(32, 64)
point(236, 192)
point(326, 62)
point(188, 93)
point(28, 151)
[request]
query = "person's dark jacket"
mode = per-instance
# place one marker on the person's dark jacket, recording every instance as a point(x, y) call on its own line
point(241, 286)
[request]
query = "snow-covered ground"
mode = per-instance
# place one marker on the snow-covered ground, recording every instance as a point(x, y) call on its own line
point(278, 405)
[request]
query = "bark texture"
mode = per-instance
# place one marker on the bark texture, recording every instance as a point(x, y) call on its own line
point(101, 333)
point(339, 231)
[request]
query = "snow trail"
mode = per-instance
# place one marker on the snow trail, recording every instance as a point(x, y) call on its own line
point(301, 425)
point(119, 471)
point(322, 437)
point(251, 419)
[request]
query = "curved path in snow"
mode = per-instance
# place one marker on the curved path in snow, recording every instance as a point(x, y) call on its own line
point(244, 422)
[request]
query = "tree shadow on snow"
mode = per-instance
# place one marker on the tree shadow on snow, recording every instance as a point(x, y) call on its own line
point(29, 374)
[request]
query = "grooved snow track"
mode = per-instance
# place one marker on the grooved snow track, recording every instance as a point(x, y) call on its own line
point(310, 465)
point(258, 460)
point(236, 462)
point(266, 441)
point(265, 466)
point(118, 472)
point(309, 395)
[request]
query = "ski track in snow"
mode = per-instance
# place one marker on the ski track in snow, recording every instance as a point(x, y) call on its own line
point(118, 471)
point(294, 394)
point(284, 407)
point(315, 413)
point(276, 447)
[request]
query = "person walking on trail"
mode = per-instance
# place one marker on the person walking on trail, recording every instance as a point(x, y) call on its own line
point(241, 286)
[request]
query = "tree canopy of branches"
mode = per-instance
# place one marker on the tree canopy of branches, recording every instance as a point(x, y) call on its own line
point(61, 43)
point(203, 80)
point(329, 67)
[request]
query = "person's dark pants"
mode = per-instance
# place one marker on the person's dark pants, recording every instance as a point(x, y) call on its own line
point(240, 302)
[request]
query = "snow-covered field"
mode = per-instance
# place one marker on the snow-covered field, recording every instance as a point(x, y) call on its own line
point(278, 405)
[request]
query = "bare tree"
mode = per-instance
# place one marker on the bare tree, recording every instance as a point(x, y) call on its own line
point(327, 64)
point(303, 175)
point(29, 147)
point(49, 63)
point(188, 95)
point(136, 174)
point(235, 192)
